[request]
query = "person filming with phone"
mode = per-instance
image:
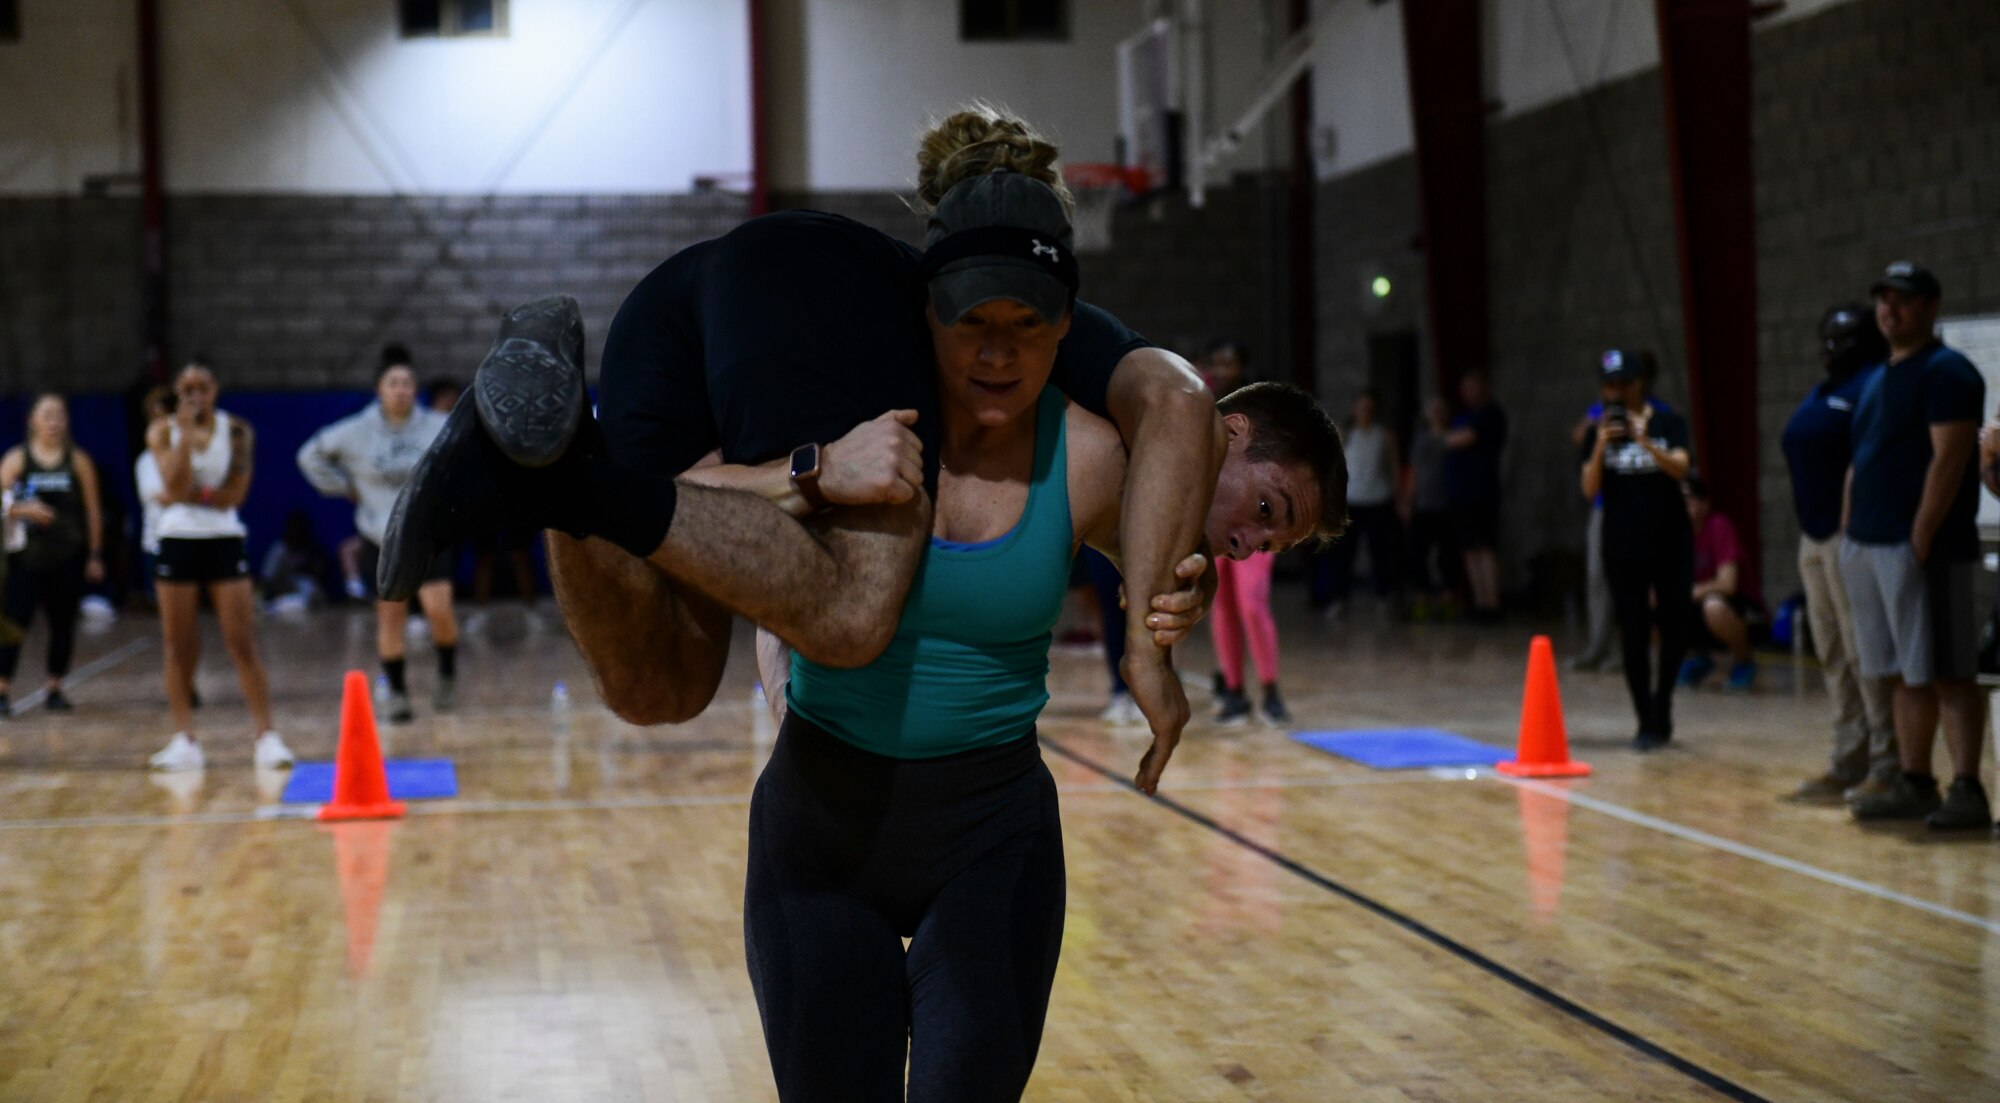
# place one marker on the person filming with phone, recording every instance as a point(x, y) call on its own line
point(1636, 456)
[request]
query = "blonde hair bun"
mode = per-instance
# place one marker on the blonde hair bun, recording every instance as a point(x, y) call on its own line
point(981, 138)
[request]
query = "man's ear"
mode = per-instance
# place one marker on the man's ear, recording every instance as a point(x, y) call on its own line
point(1239, 426)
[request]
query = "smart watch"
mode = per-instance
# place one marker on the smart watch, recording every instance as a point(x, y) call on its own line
point(805, 475)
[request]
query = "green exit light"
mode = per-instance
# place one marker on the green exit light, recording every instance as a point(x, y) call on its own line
point(1380, 286)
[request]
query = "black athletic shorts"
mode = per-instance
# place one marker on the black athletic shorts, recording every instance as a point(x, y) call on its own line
point(1475, 525)
point(443, 568)
point(201, 559)
point(792, 329)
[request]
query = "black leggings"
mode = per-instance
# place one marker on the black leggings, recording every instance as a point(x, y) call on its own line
point(1650, 592)
point(852, 852)
point(58, 591)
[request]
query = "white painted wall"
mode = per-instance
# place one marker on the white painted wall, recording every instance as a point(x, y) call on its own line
point(860, 78)
point(324, 96)
point(1361, 89)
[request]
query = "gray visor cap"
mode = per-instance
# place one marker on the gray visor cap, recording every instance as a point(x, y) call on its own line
point(999, 199)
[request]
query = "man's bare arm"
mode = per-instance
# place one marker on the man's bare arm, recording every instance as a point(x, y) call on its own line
point(1951, 450)
point(1176, 440)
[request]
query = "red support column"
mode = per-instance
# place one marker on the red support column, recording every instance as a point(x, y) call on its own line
point(153, 204)
point(1441, 46)
point(1705, 75)
point(1302, 196)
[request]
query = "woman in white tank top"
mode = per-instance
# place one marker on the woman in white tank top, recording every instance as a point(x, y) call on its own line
point(1373, 467)
point(204, 459)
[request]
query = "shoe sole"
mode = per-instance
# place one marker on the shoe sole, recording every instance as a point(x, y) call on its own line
point(409, 540)
point(529, 389)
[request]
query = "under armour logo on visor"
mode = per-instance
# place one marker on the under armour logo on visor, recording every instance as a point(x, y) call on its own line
point(1049, 249)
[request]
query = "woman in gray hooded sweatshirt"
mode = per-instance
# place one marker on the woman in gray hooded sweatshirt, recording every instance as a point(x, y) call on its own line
point(366, 459)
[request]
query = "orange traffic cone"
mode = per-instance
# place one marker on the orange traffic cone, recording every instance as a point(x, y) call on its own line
point(1544, 744)
point(360, 787)
point(361, 860)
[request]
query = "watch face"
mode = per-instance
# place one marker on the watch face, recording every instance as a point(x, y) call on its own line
point(805, 460)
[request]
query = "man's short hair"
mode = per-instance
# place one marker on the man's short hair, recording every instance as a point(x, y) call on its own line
point(1290, 427)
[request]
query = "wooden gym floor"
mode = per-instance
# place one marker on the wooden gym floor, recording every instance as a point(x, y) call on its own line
point(1283, 925)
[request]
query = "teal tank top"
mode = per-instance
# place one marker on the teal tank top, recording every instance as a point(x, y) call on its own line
point(969, 664)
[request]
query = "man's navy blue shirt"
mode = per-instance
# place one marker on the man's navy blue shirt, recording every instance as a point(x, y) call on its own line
point(1892, 450)
point(1472, 475)
point(1819, 444)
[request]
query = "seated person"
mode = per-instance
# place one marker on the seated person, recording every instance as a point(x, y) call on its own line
point(1723, 608)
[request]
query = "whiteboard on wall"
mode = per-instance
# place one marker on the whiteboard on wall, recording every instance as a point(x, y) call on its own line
point(1978, 337)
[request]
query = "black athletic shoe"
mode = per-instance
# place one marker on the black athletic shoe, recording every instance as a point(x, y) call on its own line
point(529, 394)
point(1647, 742)
point(6, 707)
point(56, 702)
point(529, 389)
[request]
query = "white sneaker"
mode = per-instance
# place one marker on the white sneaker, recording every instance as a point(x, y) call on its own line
point(180, 753)
point(272, 754)
point(355, 589)
point(1122, 712)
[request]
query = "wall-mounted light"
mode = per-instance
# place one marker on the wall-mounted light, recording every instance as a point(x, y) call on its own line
point(1380, 287)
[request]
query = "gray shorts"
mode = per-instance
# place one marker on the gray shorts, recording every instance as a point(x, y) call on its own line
point(1911, 621)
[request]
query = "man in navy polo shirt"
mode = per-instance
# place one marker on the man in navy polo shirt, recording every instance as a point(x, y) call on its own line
point(1911, 546)
point(1819, 444)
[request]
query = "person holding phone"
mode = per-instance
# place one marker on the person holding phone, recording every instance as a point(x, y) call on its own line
point(1636, 457)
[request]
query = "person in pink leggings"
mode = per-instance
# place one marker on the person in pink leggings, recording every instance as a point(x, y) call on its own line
point(1243, 610)
point(1243, 587)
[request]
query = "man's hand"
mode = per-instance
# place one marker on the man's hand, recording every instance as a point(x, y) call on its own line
point(879, 462)
point(1637, 421)
point(1156, 689)
point(34, 512)
point(1175, 614)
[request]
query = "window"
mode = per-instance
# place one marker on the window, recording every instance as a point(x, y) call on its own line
point(1013, 20)
point(10, 21)
point(450, 18)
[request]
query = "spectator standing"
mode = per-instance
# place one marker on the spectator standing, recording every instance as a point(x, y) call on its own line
point(54, 501)
point(1722, 602)
point(1242, 609)
point(1636, 457)
point(1597, 588)
point(1427, 516)
point(1371, 503)
point(1819, 443)
point(1472, 484)
point(1911, 550)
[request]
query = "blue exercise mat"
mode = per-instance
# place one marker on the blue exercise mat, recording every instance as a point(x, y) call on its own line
point(409, 779)
point(1404, 748)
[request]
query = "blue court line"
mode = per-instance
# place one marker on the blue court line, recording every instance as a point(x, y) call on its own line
point(1460, 950)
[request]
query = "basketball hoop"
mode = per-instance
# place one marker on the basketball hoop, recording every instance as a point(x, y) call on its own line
point(1098, 188)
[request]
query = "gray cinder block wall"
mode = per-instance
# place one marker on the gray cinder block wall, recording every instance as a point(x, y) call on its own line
point(1877, 137)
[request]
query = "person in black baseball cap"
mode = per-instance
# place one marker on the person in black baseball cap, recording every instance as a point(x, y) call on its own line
point(1911, 551)
point(1910, 279)
point(1636, 456)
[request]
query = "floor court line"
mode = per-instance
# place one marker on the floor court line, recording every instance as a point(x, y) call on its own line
point(84, 673)
point(1755, 854)
point(1520, 981)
